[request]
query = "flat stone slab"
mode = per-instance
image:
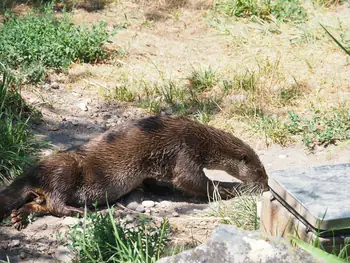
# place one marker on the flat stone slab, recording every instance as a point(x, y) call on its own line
point(316, 193)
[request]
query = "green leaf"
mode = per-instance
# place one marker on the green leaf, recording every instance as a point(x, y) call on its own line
point(319, 253)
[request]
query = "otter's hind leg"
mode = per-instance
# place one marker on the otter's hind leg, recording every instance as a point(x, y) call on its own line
point(59, 208)
point(18, 217)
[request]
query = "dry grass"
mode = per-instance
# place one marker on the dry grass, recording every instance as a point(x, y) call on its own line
point(257, 71)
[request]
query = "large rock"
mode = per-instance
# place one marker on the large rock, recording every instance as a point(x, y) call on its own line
point(229, 244)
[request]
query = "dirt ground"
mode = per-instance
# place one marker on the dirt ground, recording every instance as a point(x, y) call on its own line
point(159, 42)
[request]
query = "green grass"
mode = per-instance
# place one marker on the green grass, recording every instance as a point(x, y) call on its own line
point(272, 128)
point(102, 239)
point(323, 127)
point(240, 211)
point(282, 10)
point(202, 79)
point(17, 143)
point(37, 41)
point(168, 96)
point(334, 252)
point(345, 36)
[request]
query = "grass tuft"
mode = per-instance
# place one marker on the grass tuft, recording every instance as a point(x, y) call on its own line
point(242, 211)
point(203, 79)
point(37, 41)
point(17, 143)
point(282, 10)
point(323, 127)
point(102, 239)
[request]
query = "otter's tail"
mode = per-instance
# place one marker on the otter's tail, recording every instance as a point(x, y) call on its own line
point(15, 195)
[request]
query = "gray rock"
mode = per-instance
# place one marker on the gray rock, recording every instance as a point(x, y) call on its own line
point(229, 244)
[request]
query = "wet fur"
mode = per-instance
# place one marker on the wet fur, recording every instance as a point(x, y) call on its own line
point(172, 149)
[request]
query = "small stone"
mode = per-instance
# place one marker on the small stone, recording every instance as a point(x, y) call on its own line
point(107, 116)
point(54, 85)
point(237, 98)
point(129, 218)
point(164, 204)
point(15, 243)
point(148, 211)
point(41, 248)
point(43, 227)
point(282, 156)
point(63, 254)
point(148, 203)
point(4, 245)
point(140, 209)
point(132, 205)
point(175, 214)
point(82, 106)
point(22, 255)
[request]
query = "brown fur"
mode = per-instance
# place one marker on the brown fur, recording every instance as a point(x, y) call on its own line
point(165, 148)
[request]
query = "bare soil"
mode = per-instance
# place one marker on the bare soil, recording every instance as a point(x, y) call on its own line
point(162, 42)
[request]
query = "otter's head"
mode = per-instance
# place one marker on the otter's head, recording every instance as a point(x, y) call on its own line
point(239, 163)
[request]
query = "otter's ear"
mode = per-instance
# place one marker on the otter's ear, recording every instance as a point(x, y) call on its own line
point(220, 175)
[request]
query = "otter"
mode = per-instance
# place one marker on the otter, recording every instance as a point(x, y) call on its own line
point(171, 149)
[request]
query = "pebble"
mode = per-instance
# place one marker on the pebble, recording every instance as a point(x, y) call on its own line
point(107, 116)
point(148, 203)
point(282, 156)
point(63, 254)
point(140, 209)
point(129, 218)
point(175, 214)
point(55, 85)
point(164, 204)
point(4, 245)
point(82, 106)
point(148, 211)
point(15, 243)
point(22, 255)
point(132, 205)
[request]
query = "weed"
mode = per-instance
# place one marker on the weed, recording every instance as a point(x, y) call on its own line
point(16, 139)
point(324, 127)
point(284, 11)
point(102, 239)
point(169, 97)
point(336, 253)
point(124, 94)
point(327, 3)
point(203, 79)
point(344, 47)
point(39, 41)
point(240, 211)
point(288, 11)
point(272, 128)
